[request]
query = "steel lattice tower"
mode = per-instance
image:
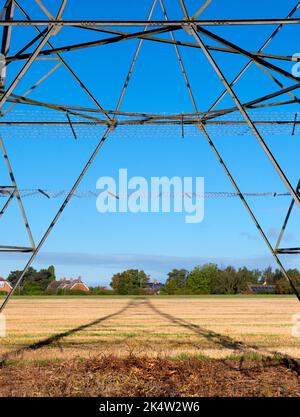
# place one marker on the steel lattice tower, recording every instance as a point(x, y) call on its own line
point(148, 30)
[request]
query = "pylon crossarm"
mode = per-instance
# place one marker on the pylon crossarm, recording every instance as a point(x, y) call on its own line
point(126, 36)
point(142, 23)
point(248, 65)
point(73, 47)
point(288, 251)
point(67, 66)
point(15, 249)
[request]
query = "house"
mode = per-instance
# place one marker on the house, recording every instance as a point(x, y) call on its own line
point(5, 286)
point(68, 284)
point(153, 288)
point(259, 289)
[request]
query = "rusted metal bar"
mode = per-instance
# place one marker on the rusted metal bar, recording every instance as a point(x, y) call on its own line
point(99, 42)
point(146, 36)
point(137, 23)
point(14, 249)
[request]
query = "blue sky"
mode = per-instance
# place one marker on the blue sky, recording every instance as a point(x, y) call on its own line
point(95, 245)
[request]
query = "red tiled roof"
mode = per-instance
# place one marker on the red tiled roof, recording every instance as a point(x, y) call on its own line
point(65, 284)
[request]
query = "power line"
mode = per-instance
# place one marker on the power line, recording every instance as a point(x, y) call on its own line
point(60, 193)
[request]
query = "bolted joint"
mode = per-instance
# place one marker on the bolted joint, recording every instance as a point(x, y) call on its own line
point(112, 124)
point(189, 28)
point(56, 28)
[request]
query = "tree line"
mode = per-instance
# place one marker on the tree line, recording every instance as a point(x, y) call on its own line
point(205, 279)
point(210, 279)
point(34, 282)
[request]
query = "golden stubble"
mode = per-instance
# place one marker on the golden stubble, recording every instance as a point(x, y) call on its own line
point(215, 327)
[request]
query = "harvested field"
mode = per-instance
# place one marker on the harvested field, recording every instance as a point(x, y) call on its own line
point(124, 346)
point(217, 327)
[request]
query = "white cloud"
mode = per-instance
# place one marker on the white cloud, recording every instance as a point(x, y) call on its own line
point(159, 264)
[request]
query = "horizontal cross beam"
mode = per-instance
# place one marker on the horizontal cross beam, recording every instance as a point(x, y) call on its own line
point(135, 23)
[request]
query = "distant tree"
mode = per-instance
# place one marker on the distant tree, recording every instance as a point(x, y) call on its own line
point(247, 276)
point(282, 285)
point(178, 276)
point(224, 283)
point(34, 281)
point(31, 288)
point(202, 278)
point(15, 275)
point(43, 278)
point(232, 281)
point(176, 282)
point(170, 287)
point(128, 282)
point(277, 275)
point(51, 270)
